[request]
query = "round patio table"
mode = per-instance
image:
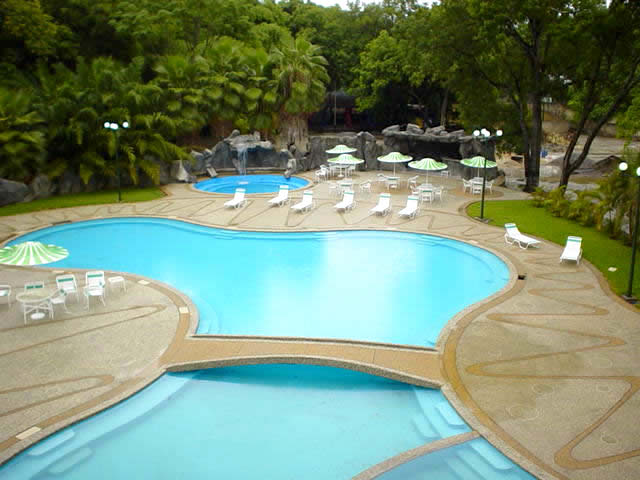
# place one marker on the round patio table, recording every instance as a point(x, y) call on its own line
point(35, 303)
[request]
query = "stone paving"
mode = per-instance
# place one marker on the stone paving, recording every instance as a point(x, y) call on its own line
point(545, 369)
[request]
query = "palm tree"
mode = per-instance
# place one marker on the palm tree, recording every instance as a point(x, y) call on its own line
point(300, 75)
point(21, 135)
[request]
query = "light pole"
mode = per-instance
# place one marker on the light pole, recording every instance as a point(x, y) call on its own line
point(114, 126)
point(484, 136)
point(624, 166)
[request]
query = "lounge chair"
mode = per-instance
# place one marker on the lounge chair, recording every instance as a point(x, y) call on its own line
point(282, 197)
point(384, 204)
point(238, 199)
point(306, 203)
point(513, 235)
point(94, 286)
point(5, 292)
point(67, 283)
point(411, 209)
point(348, 201)
point(572, 250)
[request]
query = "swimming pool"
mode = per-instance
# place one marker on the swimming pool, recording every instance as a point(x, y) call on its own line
point(376, 286)
point(251, 183)
point(263, 422)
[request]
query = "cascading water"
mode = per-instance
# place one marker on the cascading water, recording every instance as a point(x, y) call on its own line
point(243, 157)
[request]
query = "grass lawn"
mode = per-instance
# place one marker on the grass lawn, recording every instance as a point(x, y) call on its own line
point(79, 199)
point(602, 251)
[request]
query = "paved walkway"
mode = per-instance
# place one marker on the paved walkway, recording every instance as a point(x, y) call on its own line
point(546, 370)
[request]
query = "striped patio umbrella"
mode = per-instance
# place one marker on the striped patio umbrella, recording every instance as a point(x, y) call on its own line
point(394, 157)
point(346, 159)
point(338, 149)
point(428, 165)
point(478, 162)
point(31, 253)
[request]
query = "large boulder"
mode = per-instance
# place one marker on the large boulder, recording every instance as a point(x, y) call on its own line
point(364, 143)
point(41, 187)
point(70, 183)
point(12, 192)
point(241, 153)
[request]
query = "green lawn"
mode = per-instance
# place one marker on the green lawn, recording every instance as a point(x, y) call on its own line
point(602, 251)
point(79, 199)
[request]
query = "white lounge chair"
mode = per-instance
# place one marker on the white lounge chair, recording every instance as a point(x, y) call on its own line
point(5, 292)
point(67, 283)
point(282, 197)
point(384, 204)
point(411, 209)
point(348, 201)
point(94, 286)
point(306, 203)
point(513, 235)
point(238, 199)
point(572, 250)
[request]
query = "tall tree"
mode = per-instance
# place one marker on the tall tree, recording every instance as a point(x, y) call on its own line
point(300, 75)
point(602, 61)
point(506, 46)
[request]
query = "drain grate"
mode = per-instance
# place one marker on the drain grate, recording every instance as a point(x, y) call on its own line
point(522, 276)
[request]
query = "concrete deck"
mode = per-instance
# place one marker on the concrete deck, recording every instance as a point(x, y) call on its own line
point(546, 370)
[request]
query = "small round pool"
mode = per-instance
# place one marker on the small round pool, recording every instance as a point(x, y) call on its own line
point(251, 183)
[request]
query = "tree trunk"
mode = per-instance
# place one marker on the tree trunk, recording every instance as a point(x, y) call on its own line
point(533, 177)
point(444, 107)
point(294, 130)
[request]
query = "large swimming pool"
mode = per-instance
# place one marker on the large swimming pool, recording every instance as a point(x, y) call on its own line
point(365, 285)
point(251, 183)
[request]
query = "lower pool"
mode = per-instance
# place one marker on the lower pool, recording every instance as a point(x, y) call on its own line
point(251, 183)
point(376, 286)
point(250, 422)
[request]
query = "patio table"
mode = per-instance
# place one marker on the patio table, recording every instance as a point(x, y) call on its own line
point(36, 303)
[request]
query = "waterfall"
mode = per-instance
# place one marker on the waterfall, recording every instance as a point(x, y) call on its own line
point(243, 157)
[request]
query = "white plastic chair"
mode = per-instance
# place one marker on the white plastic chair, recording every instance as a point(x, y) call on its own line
point(238, 199)
point(282, 197)
point(411, 208)
point(307, 202)
point(437, 193)
point(348, 201)
point(489, 186)
point(412, 182)
point(365, 186)
point(513, 235)
point(384, 204)
point(59, 298)
point(392, 183)
point(476, 187)
point(67, 282)
point(94, 286)
point(467, 185)
point(5, 292)
point(444, 173)
point(426, 195)
point(322, 174)
point(572, 250)
point(334, 189)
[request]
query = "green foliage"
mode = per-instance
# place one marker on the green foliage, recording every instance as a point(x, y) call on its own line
point(21, 136)
point(538, 196)
point(557, 203)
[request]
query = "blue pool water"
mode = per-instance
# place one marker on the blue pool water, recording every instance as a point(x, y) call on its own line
point(262, 422)
point(472, 460)
point(252, 183)
point(365, 285)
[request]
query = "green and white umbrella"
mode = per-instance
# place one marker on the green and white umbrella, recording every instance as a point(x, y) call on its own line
point(428, 165)
point(478, 162)
point(31, 253)
point(338, 149)
point(346, 159)
point(394, 157)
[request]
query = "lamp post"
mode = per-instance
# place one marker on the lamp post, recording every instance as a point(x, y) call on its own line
point(484, 136)
point(624, 166)
point(115, 127)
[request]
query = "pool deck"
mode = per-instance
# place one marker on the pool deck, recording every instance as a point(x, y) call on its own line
point(546, 370)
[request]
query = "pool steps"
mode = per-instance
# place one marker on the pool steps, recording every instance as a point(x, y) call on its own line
point(68, 462)
point(50, 443)
point(63, 450)
point(491, 455)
